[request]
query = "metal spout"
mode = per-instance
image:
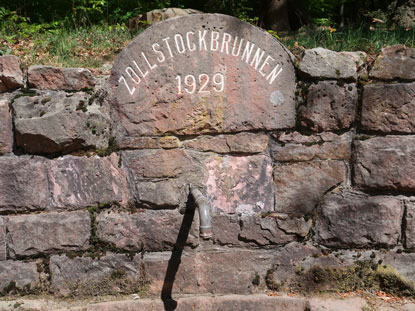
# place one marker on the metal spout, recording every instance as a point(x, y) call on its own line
point(204, 213)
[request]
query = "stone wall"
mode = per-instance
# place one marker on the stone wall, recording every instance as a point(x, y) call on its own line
point(84, 214)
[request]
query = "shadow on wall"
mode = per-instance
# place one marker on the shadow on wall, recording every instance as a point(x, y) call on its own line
point(175, 259)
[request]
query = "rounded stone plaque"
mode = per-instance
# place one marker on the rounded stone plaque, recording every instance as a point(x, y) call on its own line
point(202, 73)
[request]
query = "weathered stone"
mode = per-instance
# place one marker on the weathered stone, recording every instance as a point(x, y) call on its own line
point(84, 276)
point(294, 147)
point(321, 63)
point(385, 163)
point(18, 277)
point(410, 223)
point(159, 15)
point(52, 122)
point(216, 272)
point(294, 225)
point(30, 235)
point(158, 163)
point(6, 132)
point(394, 62)
point(263, 231)
point(82, 181)
point(389, 107)
point(149, 82)
point(238, 143)
point(226, 230)
point(147, 230)
point(300, 186)
point(241, 185)
point(358, 220)
point(286, 261)
point(53, 78)
point(260, 302)
point(23, 184)
point(167, 142)
point(11, 76)
point(3, 250)
point(160, 178)
point(401, 262)
point(329, 106)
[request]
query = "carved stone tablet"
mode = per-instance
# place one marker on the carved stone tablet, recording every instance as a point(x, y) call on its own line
point(202, 73)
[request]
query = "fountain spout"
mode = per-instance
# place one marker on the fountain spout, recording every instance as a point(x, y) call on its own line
point(204, 213)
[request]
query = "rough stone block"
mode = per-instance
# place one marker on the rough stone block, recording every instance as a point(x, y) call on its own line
point(226, 230)
point(300, 226)
point(263, 231)
point(294, 147)
point(53, 78)
point(358, 220)
point(6, 132)
point(241, 185)
point(238, 143)
point(160, 178)
point(147, 230)
point(321, 63)
point(394, 62)
point(23, 275)
point(300, 186)
point(11, 76)
point(158, 163)
point(257, 93)
point(217, 272)
point(330, 107)
point(30, 235)
point(166, 142)
point(84, 276)
point(23, 184)
point(82, 181)
point(389, 107)
point(57, 122)
point(410, 223)
point(385, 163)
point(3, 250)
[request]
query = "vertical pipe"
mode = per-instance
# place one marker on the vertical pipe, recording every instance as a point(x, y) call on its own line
point(204, 213)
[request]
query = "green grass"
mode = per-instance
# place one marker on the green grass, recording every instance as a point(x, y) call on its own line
point(349, 38)
point(89, 47)
point(93, 46)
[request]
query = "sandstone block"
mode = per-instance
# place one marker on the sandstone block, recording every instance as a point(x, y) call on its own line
point(300, 226)
point(359, 220)
point(238, 143)
point(6, 132)
point(166, 142)
point(147, 230)
point(323, 63)
point(84, 276)
point(410, 223)
point(51, 122)
point(23, 184)
point(300, 186)
point(30, 235)
point(226, 230)
point(389, 108)
point(11, 75)
point(329, 106)
point(82, 181)
point(160, 178)
point(263, 231)
point(3, 250)
point(23, 275)
point(385, 163)
point(53, 78)
point(294, 147)
point(394, 62)
point(241, 185)
point(227, 93)
point(218, 272)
